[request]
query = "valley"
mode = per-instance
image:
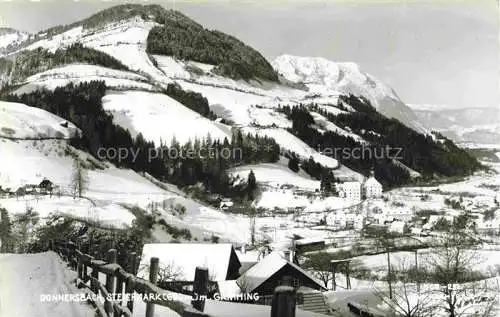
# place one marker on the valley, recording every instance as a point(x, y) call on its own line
point(124, 129)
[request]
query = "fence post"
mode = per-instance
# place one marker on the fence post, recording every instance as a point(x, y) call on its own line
point(85, 267)
point(130, 283)
point(71, 252)
point(129, 289)
point(132, 262)
point(110, 281)
point(334, 271)
point(200, 288)
point(283, 304)
point(347, 275)
point(153, 277)
point(80, 266)
point(95, 275)
point(119, 281)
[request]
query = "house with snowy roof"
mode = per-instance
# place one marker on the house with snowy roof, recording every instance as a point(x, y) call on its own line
point(183, 258)
point(270, 272)
point(398, 226)
point(371, 187)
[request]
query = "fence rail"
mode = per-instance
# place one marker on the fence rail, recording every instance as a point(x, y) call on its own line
point(120, 281)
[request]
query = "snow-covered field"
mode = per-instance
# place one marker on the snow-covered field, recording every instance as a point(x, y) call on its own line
point(79, 73)
point(159, 117)
point(484, 261)
point(277, 174)
point(290, 142)
point(29, 161)
point(11, 37)
point(20, 121)
point(24, 278)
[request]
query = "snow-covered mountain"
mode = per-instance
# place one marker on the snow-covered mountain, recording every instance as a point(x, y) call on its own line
point(116, 44)
point(164, 98)
point(472, 126)
point(10, 36)
point(325, 77)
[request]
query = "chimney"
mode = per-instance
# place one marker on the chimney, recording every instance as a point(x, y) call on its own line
point(287, 255)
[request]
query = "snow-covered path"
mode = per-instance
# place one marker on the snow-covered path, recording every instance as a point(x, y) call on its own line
point(25, 277)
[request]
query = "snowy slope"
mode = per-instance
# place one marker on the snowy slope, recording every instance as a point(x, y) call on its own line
point(325, 125)
point(78, 73)
point(276, 173)
point(108, 187)
point(125, 40)
point(26, 277)
point(290, 142)
point(251, 105)
point(245, 104)
point(325, 77)
point(20, 121)
point(10, 36)
point(159, 117)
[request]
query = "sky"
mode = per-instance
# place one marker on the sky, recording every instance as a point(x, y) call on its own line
point(433, 52)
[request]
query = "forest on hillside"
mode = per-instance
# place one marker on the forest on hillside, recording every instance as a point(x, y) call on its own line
point(82, 105)
point(432, 158)
point(179, 36)
point(28, 63)
point(187, 40)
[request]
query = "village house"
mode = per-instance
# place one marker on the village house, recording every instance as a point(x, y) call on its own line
point(181, 259)
point(350, 190)
point(46, 186)
point(398, 226)
point(490, 226)
point(343, 220)
point(355, 190)
point(270, 272)
point(225, 204)
point(372, 188)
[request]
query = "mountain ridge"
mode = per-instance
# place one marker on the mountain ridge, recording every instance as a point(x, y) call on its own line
point(248, 103)
point(324, 76)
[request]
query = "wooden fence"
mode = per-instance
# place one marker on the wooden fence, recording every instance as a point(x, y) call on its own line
point(120, 286)
point(120, 282)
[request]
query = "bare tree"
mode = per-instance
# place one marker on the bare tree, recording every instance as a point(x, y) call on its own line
point(79, 180)
point(407, 298)
point(384, 240)
point(5, 231)
point(244, 285)
point(169, 272)
point(166, 272)
point(252, 228)
point(319, 264)
point(23, 225)
point(452, 267)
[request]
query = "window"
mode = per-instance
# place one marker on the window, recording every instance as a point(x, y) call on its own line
point(294, 282)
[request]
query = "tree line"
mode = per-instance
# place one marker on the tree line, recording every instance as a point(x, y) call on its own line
point(386, 171)
point(422, 153)
point(28, 63)
point(419, 152)
point(185, 39)
point(82, 105)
